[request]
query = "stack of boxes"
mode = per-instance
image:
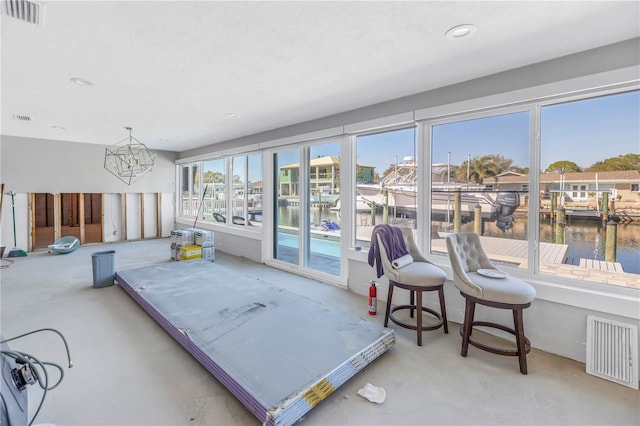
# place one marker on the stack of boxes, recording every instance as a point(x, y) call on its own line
point(204, 239)
point(192, 243)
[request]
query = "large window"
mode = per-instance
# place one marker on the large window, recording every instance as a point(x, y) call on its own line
point(586, 225)
point(551, 187)
point(478, 172)
point(214, 178)
point(386, 181)
point(189, 189)
point(214, 182)
point(590, 160)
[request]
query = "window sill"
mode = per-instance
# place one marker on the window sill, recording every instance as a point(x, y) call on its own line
point(252, 232)
point(610, 299)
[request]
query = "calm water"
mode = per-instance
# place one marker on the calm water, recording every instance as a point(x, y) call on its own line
point(585, 238)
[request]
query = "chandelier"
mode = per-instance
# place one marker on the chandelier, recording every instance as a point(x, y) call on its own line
point(128, 159)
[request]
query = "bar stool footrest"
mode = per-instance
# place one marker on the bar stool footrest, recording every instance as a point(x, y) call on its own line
point(493, 349)
point(415, 326)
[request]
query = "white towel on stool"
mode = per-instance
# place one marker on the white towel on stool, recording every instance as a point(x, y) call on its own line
point(402, 261)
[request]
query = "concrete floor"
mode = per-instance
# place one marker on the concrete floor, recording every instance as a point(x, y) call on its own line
point(127, 370)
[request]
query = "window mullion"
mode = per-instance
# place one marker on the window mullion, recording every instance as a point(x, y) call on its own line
point(534, 191)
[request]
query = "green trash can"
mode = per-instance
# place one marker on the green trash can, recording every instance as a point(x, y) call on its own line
point(103, 268)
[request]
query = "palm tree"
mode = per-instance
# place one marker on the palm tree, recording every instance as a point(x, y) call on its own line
point(479, 169)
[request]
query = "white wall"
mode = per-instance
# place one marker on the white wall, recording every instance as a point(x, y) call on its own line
point(43, 166)
point(112, 221)
point(21, 202)
point(150, 211)
point(39, 165)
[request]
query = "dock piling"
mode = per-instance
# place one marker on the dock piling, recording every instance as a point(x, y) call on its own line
point(605, 208)
point(561, 223)
point(477, 219)
point(373, 213)
point(457, 207)
point(611, 239)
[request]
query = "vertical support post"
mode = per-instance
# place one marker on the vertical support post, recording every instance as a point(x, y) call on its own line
point(554, 206)
point(141, 195)
point(561, 223)
point(81, 216)
point(373, 213)
point(57, 216)
point(123, 199)
point(477, 219)
point(611, 242)
point(457, 207)
point(32, 216)
point(101, 217)
point(159, 214)
point(605, 208)
point(612, 207)
point(385, 206)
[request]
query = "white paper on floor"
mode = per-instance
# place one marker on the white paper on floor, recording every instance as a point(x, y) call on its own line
point(373, 393)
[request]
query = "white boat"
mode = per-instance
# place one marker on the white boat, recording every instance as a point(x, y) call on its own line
point(361, 205)
point(325, 198)
point(398, 192)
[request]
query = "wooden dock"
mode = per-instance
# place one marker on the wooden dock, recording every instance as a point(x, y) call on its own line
point(511, 251)
point(552, 259)
point(601, 265)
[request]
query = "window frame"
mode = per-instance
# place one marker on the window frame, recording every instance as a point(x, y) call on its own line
point(424, 146)
point(228, 190)
point(353, 140)
point(612, 299)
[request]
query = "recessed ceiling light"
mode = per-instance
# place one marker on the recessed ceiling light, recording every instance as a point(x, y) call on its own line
point(460, 31)
point(81, 81)
point(231, 115)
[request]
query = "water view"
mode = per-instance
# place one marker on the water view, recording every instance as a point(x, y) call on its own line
point(585, 238)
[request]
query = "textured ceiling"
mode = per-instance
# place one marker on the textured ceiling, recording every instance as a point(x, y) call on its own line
point(174, 71)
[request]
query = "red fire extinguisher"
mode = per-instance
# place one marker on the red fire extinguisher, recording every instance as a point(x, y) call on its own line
point(373, 299)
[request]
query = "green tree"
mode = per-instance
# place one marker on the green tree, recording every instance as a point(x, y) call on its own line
point(212, 177)
point(503, 164)
point(621, 162)
point(481, 168)
point(518, 169)
point(563, 166)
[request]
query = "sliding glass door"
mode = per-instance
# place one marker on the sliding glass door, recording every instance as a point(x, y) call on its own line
point(307, 226)
point(323, 227)
point(286, 234)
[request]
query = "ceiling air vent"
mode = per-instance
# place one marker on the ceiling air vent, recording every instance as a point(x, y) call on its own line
point(23, 10)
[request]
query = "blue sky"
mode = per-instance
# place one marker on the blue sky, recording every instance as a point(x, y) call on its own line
point(582, 131)
point(593, 130)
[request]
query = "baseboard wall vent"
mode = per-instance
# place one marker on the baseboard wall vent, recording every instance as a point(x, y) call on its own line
point(612, 350)
point(24, 10)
